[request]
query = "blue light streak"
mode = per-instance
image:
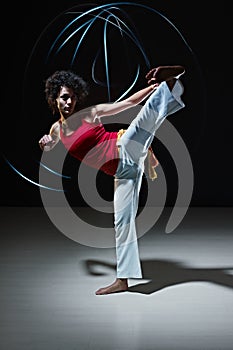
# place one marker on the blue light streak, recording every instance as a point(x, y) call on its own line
point(54, 172)
point(104, 13)
point(32, 182)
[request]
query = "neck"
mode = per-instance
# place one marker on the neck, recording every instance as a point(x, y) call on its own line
point(71, 123)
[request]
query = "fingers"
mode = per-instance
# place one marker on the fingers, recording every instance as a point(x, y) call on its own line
point(46, 140)
point(152, 81)
point(150, 74)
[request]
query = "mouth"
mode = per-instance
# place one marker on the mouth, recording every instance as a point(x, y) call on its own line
point(67, 109)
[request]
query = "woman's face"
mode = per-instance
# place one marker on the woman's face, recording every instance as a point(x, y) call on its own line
point(66, 101)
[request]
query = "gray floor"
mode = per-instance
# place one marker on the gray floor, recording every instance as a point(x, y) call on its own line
point(48, 282)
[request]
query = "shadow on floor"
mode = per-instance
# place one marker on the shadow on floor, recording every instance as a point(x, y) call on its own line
point(167, 273)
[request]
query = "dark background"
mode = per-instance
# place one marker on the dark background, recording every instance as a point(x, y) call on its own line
point(205, 124)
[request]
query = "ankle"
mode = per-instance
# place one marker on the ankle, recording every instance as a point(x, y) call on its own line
point(123, 281)
point(170, 83)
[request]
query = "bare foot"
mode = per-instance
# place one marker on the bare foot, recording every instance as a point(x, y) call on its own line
point(164, 73)
point(119, 285)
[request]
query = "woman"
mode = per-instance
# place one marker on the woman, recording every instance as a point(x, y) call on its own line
point(117, 153)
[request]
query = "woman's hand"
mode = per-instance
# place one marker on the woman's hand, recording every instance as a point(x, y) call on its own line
point(46, 143)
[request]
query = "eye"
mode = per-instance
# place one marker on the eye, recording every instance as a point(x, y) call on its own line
point(66, 97)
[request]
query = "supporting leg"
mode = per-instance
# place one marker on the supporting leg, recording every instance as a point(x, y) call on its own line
point(125, 207)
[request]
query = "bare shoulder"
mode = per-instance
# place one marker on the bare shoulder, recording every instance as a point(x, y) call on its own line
point(55, 128)
point(90, 114)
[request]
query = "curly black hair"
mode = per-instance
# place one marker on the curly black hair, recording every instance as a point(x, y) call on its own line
point(69, 79)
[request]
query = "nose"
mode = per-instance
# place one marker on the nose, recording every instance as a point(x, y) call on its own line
point(71, 100)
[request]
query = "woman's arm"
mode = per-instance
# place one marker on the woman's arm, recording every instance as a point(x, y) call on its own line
point(48, 142)
point(106, 109)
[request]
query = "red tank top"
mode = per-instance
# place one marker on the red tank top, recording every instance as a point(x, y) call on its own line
point(93, 145)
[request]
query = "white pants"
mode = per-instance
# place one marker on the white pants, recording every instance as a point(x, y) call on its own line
point(133, 147)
